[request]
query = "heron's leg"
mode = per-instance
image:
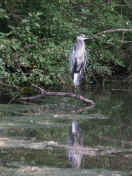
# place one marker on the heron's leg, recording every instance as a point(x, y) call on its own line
point(77, 90)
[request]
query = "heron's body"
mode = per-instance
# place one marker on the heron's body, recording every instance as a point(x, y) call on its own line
point(77, 60)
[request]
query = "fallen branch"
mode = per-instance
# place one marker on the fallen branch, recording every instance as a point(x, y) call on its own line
point(64, 94)
point(44, 93)
point(7, 85)
point(39, 88)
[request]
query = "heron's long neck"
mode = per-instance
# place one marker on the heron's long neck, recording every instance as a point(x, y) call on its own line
point(80, 50)
point(81, 44)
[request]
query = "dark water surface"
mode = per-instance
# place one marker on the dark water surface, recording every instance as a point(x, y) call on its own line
point(36, 139)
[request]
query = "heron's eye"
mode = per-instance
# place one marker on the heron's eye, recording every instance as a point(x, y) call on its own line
point(82, 35)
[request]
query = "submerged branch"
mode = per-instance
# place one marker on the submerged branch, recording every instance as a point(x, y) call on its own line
point(26, 143)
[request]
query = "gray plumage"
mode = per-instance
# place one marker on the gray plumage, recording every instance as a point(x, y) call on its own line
point(77, 59)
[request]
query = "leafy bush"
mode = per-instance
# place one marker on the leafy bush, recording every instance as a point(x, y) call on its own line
point(37, 37)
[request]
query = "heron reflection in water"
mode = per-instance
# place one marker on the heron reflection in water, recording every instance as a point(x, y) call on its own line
point(77, 59)
point(75, 140)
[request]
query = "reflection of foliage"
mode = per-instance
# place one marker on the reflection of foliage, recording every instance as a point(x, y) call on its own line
point(37, 36)
point(128, 3)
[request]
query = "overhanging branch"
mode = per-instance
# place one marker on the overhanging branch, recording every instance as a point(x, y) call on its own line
point(114, 30)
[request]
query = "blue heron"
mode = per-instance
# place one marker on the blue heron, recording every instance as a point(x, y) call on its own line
point(77, 59)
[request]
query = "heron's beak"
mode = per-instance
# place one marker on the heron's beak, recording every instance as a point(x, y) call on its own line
point(88, 38)
point(91, 37)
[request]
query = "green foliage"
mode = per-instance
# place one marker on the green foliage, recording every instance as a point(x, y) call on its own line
point(37, 37)
point(29, 58)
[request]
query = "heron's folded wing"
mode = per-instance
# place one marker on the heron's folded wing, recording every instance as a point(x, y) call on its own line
point(72, 59)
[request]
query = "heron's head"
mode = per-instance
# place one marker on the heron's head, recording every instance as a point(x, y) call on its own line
point(82, 37)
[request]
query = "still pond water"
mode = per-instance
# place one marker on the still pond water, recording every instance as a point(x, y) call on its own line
point(48, 137)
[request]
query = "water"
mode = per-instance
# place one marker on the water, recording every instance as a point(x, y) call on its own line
point(34, 137)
